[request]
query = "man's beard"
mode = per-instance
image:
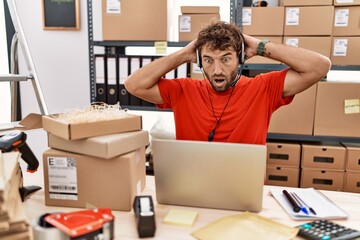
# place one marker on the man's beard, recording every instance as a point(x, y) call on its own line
point(233, 77)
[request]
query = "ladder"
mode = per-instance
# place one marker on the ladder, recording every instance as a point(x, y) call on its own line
point(13, 77)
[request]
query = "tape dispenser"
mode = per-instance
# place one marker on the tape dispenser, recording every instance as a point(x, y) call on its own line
point(144, 216)
point(85, 225)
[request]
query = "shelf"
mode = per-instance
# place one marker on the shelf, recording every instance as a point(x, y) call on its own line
point(136, 43)
point(310, 138)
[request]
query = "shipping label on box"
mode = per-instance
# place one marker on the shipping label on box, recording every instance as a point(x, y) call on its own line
point(62, 174)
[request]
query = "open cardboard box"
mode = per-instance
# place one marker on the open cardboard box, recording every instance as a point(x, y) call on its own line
point(74, 131)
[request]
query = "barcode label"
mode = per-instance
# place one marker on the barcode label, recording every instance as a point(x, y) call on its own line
point(62, 178)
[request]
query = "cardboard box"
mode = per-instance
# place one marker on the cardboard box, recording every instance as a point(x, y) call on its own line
point(282, 176)
point(352, 181)
point(346, 3)
point(352, 156)
point(346, 21)
point(264, 60)
point(305, 21)
point(263, 21)
point(73, 180)
point(322, 179)
point(134, 20)
point(283, 154)
point(298, 116)
point(337, 109)
point(75, 131)
point(345, 51)
point(106, 146)
point(320, 45)
point(307, 2)
point(194, 18)
point(330, 155)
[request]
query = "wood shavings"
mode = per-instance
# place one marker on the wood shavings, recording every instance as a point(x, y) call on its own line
point(93, 113)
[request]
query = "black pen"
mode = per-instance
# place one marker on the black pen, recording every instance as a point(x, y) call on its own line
point(292, 201)
point(302, 201)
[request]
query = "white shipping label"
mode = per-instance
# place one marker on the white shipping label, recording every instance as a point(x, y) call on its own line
point(62, 178)
point(185, 24)
point(340, 47)
point(344, 1)
point(292, 16)
point(292, 42)
point(246, 17)
point(341, 18)
point(352, 106)
point(113, 6)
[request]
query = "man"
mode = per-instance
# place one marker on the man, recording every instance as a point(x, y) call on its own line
point(226, 106)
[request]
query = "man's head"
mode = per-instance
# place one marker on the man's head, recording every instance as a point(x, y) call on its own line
point(220, 45)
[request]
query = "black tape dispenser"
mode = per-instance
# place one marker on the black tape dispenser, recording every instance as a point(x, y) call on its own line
point(145, 216)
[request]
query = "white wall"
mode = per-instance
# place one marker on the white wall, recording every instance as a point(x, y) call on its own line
point(60, 59)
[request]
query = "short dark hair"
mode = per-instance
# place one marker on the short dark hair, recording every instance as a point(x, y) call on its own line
point(220, 36)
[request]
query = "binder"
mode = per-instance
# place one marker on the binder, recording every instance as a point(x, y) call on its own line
point(134, 64)
point(123, 94)
point(100, 78)
point(113, 82)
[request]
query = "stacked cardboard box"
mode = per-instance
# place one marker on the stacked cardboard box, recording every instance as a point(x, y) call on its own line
point(283, 164)
point(194, 18)
point(352, 167)
point(263, 23)
point(308, 24)
point(337, 109)
point(297, 117)
point(346, 33)
point(94, 165)
point(13, 221)
point(134, 20)
point(323, 166)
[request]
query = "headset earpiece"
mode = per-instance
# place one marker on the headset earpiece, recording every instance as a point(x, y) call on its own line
point(198, 58)
point(242, 54)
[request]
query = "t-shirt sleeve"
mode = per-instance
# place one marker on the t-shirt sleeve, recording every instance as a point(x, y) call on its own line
point(170, 91)
point(275, 87)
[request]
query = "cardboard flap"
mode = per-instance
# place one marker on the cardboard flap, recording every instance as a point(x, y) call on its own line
point(32, 121)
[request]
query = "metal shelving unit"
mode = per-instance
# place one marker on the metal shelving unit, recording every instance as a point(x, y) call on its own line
point(235, 16)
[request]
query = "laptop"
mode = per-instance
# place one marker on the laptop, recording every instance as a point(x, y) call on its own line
point(209, 174)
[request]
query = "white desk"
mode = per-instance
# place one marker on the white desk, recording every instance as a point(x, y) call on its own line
point(125, 227)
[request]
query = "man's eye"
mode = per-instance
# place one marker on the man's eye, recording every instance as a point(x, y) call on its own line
point(208, 61)
point(226, 59)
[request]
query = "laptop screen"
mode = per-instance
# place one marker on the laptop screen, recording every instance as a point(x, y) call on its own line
point(209, 174)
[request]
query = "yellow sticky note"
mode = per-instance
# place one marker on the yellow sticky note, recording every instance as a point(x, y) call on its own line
point(160, 47)
point(180, 217)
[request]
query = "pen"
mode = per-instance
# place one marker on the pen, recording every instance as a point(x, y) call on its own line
point(310, 208)
point(297, 199)
point(292, 201)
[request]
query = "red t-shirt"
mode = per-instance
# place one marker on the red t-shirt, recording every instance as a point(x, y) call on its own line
point(246, 117)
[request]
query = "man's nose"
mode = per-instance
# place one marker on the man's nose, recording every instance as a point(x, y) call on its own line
point(217, 68)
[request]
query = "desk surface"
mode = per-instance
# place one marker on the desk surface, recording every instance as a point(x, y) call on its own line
point(125, 227)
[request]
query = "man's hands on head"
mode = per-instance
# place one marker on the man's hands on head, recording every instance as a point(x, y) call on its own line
point(251, 45)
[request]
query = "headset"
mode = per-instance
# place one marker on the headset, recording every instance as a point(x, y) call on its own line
point(241, 55)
